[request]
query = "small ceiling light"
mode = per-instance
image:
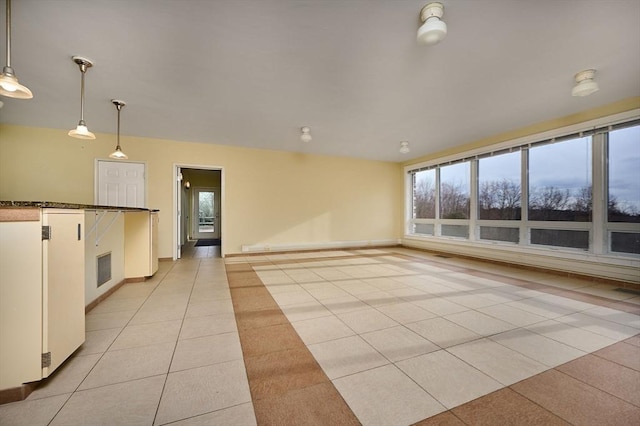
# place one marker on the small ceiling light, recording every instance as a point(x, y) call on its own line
point(433, 30)
point(404, 147)
point(9, 85)
point(585, 84)
point(305, 135)
point(81, 131)
point(187, 185)
point(118, 154)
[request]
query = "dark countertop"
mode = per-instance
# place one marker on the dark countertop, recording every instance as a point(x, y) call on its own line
point(59, 205)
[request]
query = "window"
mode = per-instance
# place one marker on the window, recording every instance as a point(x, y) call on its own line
point(454, 191)
point(424, 194)
point(499, 187)
point(560, 181)
point(623, 202)
point(558, 201)
point(624, 175)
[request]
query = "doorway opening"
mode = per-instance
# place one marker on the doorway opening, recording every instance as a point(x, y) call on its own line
point(198, 211)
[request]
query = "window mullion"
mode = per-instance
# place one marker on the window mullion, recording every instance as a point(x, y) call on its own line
point(524, 197)
point(473, 209)
point(599, 240)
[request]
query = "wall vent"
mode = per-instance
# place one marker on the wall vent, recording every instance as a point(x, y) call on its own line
point(104, 268)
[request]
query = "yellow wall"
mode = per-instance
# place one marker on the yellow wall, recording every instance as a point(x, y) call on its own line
point(271, 197)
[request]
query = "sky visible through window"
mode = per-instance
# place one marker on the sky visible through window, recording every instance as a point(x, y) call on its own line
point(624, 168)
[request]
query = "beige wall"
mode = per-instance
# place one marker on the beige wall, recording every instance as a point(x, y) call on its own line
point(271, 197)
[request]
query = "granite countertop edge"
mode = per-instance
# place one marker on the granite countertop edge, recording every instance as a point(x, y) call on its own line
point(61, 205)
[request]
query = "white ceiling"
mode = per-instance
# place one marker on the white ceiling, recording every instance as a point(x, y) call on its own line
point(252, 72)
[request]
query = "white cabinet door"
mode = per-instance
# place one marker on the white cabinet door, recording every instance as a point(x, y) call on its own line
point(63, 285)
point(120, 184)
point(20, 301)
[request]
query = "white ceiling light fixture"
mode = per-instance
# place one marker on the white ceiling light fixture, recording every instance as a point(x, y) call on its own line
point(585, 83)
point(81, 131)
point(404, 147)
point(433, 30)
point(118, 154)
point(9, 85)
point(305, 134)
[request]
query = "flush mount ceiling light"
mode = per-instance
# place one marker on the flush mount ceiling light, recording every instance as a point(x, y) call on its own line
point(433, 30)
point(9, 85)
point(81, 131)
point(305, 134)
point(585, 84)
point(118, 154)
point(404, 147)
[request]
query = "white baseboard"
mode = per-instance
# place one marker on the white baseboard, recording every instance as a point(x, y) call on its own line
point(264, 248)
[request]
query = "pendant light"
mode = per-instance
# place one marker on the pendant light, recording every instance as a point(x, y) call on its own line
point(9, 85)
point(81, 131)
point(118, 154)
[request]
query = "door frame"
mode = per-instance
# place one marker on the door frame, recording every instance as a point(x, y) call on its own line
point(177, 204)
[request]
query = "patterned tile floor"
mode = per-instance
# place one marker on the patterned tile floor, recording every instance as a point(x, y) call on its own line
point(375, 337)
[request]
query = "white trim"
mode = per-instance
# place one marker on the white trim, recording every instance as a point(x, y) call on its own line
point(175, 176)
point(261, 248)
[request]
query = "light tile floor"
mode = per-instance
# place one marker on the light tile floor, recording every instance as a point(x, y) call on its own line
point(404, 336)
point(163, 351)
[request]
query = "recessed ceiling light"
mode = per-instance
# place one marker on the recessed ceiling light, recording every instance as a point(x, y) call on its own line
point(305, 134)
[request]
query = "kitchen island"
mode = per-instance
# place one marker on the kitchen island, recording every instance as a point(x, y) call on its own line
point(56, 261)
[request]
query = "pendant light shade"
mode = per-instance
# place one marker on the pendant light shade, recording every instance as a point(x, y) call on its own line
point(81, 131)
point(9, 85)
point(118, 154)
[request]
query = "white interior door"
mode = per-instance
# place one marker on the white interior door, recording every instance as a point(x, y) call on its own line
point(205, 213)
point(120, 184)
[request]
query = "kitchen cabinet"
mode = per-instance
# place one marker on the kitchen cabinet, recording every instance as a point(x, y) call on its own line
point(140, 244)
point(41, 291)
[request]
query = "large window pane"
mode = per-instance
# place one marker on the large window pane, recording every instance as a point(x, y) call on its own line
point(499, 187)
point(454, 191)
point(424, 194)
point(560, 181)
point(624, 175)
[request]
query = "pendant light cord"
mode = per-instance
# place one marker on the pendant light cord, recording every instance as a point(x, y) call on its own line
point(8, 18)
point(118, 141)
point(83, 70)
